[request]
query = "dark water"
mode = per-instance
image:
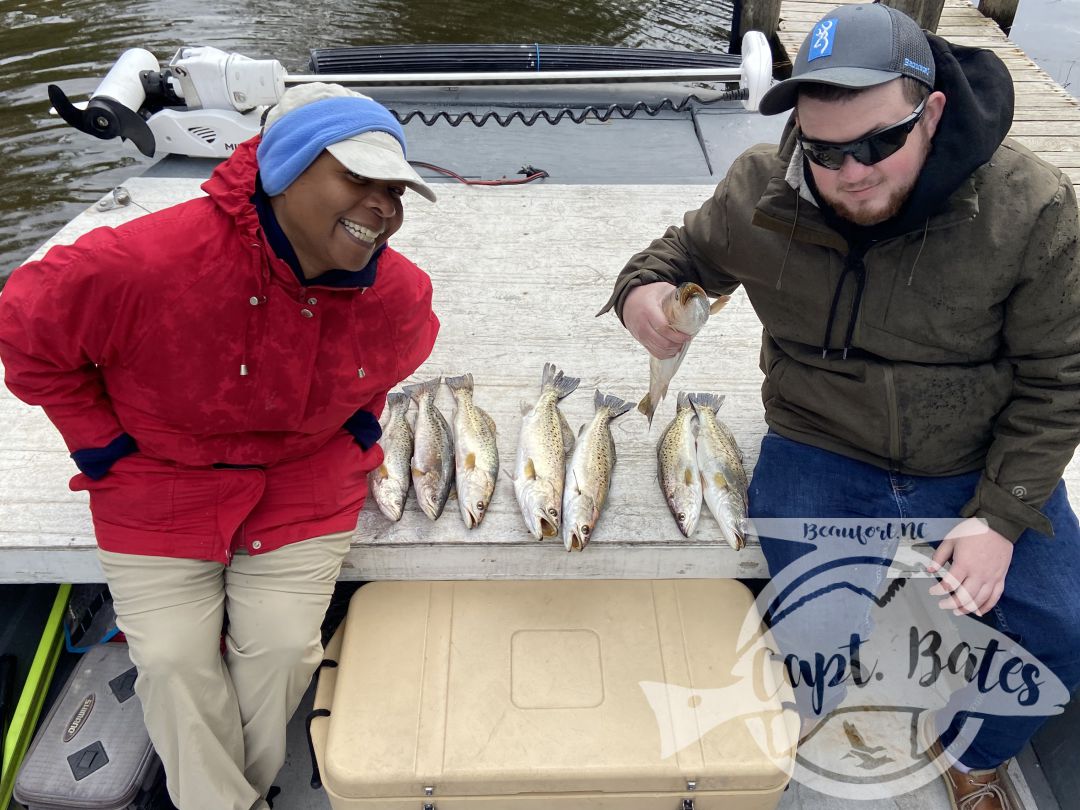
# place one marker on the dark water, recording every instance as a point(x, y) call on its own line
point(51, 172)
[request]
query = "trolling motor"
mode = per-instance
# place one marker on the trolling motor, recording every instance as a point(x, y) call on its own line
point(203, 104)
point(206, 101)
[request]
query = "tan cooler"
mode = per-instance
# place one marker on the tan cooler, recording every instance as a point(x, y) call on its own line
point(607, 695)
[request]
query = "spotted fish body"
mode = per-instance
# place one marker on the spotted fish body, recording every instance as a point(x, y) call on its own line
point(687, 309)
point(476, 455)
point(590, 472)
point(723, 476)
point(543, 444)
point(677, 467)
point(389, 482)
point(433, 450)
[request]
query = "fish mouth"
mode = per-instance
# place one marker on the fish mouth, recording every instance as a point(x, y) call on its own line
point(547, 527)
point(577, 540)
point(689, 292)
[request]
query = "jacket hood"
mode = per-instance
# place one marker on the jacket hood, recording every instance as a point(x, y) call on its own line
point(977, 117)
point(233, 184)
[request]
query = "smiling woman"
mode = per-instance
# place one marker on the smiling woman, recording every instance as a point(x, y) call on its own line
point(217, 370)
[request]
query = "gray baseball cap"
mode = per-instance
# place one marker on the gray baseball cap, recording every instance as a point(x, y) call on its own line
point(856, 46)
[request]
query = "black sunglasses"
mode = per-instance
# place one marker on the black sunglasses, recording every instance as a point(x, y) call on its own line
point(868, 150)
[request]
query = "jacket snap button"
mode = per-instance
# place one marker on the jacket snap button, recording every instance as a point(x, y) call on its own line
point(307, 313)
point(254, 300)
point(361, 373)
point(313, 301)
point(256, 544)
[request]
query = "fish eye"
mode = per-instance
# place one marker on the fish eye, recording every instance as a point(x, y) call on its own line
point(480, 505)
point(553, 512)
point(681, 516)
point(585, 531)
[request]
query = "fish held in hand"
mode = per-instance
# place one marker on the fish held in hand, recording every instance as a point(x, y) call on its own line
point(389, 482)
point(723, 476)
point(433, 450)
point(687, 309)
point(476, 455)
point(591, 468)
point(677, 467)
point(543, 445)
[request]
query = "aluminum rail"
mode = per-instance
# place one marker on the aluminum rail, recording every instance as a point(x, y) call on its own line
point(717, 74)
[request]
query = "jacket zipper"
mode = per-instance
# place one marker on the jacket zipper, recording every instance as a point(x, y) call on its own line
point(894, 419)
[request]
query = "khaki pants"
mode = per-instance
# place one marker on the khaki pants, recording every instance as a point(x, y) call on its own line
point(219, 723)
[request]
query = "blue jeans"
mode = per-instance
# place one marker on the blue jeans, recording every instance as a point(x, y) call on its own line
point(1040, 607)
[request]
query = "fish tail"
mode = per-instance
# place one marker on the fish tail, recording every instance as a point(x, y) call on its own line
point(616, 406)
point(417, 390)
point(462, 383)
point(397, 400)
point(683, 401)
point(710, 401)
point(558, 382)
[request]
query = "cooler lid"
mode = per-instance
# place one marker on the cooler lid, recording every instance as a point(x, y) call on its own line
point(496, 688)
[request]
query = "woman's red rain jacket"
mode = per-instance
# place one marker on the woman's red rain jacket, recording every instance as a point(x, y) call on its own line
point(143, 329)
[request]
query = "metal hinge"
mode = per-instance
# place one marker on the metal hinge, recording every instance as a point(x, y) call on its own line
point(687, 804)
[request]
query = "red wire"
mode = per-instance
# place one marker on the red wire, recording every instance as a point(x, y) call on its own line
point(505, 181)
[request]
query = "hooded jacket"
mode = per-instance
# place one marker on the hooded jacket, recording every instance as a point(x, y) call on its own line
point(184, 330)
point(942, 341)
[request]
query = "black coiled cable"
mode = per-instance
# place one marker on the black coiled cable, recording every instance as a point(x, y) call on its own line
point(600, 114)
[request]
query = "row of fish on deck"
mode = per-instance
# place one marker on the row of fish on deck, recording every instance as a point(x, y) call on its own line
point(561, 483)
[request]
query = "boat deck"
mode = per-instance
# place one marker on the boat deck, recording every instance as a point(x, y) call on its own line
point(1047, 118)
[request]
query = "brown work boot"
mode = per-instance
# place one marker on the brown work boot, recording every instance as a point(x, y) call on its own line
point(974, 790)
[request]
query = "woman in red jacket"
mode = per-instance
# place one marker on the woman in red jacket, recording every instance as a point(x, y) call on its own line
point(217, 370)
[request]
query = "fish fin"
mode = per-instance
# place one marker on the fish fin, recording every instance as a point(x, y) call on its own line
point(688, 476)
point(559, 382)
point(397, 399)
point(721, 480)
point(567, 433)
point(581, 429)
point(682, 401)
point(381, 472)
point(488, 421)
point(417, 390)
point(719, 304)
point(530, 469)
point(470, 461)
point(462, 383)
point(616, 406)
point(417, 472)
point(676, 361)
point(647, 407)
point(710, 401)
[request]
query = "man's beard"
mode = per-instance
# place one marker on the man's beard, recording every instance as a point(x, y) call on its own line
point(877, 214)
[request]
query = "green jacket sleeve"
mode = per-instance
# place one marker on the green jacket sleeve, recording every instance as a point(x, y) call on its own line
point(1036, 433)
point(693, 252)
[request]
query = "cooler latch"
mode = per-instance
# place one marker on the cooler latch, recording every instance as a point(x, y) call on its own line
point(687, 804)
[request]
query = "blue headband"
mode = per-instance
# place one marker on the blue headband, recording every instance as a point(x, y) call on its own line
point(297, 138)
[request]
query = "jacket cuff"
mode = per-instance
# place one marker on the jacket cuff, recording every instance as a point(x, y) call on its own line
point(365, 428)
point(1004, 512)
point(623, 286)
point(94, 462)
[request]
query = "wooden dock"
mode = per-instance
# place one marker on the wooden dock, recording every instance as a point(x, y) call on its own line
point(1047, 118)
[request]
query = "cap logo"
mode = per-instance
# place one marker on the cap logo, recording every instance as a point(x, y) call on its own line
point(821, 39)
point(923, 69)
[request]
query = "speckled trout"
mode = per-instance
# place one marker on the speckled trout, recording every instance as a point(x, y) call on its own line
point(687, 309)
point(476, 455)
point(389, 482)
point(590, 470)
point(543, 445)
point(723, 477)
point(433, 450)
point(677, 467)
